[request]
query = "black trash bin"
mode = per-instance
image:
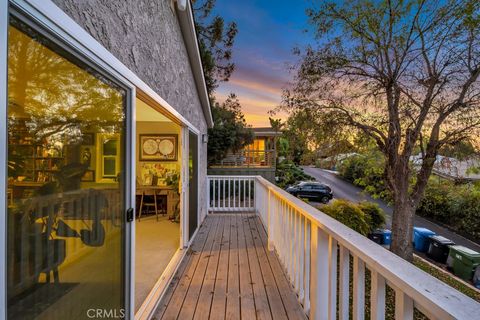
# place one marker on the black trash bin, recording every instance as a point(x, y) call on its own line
point(439, 248)
point(376, 236)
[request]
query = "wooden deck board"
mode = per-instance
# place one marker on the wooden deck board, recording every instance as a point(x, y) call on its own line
point(274, 299)
point(247, 302)
point(230, 274)
point(217, 310)
point(233, 285)
point(262, 308)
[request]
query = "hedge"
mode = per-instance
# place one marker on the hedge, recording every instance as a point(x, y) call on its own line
point(363, 217)
point(456, 206)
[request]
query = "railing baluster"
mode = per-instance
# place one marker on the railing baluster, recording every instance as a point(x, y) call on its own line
point(229, 193)
point(224, 199)
point(271, 228)
point(358, 289)
point(377, 296)
point(249, 194)
point(332, 311)
point(297, 252)
point(218, 190)
point(403, 306)
point(284, 237)
point(212, 181)
point(291, 236)
point(319, 277)
point(241, 187)
point(307, 266)
point(344, 284)
point(301, 259)
point(234, 192)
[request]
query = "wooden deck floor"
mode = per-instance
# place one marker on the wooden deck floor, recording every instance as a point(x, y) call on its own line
point(230, 274)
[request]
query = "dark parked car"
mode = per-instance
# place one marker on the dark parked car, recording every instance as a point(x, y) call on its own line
point(312, 191)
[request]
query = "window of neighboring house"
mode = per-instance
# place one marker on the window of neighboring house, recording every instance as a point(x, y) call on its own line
point(110, 158)
point(257, 145)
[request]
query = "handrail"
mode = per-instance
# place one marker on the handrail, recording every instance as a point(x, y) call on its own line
point(308, 243)
point(248, 158)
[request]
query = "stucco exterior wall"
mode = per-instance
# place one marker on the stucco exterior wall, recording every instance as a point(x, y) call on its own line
point(145, 35)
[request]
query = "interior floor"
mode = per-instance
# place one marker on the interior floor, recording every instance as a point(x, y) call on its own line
point(156, 243)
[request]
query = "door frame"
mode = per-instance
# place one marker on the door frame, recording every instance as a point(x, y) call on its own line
point(4, 21)
point(24, 12)
point(54, 21)
point(184, 203)
point(190, 239)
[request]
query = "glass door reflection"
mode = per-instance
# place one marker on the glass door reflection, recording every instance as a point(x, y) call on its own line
point(66, 194)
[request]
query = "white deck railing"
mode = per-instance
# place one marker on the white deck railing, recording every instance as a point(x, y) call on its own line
point(318, 253)
point(232, 193)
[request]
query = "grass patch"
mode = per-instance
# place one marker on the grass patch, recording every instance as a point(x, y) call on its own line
point(446, 278)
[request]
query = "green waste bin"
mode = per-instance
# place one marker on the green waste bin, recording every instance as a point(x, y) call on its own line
point(464, 261)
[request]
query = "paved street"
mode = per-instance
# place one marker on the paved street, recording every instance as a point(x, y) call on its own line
point(345, 190)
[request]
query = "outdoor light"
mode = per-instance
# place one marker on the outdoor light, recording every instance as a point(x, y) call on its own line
point(204, 138)
point(182, 5)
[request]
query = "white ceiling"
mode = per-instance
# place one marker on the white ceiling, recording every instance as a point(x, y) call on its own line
point(147, 113)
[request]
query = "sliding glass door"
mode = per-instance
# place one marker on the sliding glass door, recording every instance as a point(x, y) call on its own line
point(192, 183)
point(66, 183)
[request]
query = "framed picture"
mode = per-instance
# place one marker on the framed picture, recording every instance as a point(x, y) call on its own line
point(89, 176)
point(148, 180)
point(158, 147)
point(88, 139)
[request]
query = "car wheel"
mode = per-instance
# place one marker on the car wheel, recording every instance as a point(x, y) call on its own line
point(324, 199)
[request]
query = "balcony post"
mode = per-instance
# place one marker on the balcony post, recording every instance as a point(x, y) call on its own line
point(358, 288)
point(377, 296)
point(344, 284)
point(403, 306)
point(270, 228)
point(319, 279)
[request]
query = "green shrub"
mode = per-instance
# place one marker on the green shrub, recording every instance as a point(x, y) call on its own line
point(466, 210)
point(457, 206)
point(374, 215)
point(349, 214)
point(288, 173)
point(367, 172)
point(436, 203)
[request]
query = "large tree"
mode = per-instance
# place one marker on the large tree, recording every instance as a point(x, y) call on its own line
point(404, 73)
point(230, 131)
point(215, 38)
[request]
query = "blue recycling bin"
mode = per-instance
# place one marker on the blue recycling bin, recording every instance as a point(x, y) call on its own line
point(386, 237)
point(421, 238)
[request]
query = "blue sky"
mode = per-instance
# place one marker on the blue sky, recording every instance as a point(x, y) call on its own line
point(268, 31)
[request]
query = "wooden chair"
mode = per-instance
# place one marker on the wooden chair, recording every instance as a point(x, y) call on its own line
point(153, 199)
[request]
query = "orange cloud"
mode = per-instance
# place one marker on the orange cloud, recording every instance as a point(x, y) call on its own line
point(255, 109)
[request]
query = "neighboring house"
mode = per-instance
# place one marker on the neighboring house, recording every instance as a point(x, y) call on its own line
point(452, 168)
point(258, 158)
point(108, 212)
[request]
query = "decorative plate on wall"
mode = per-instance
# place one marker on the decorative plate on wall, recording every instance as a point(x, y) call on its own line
point(158, 147)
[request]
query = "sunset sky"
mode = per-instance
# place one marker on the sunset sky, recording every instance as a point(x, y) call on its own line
point(268, 31)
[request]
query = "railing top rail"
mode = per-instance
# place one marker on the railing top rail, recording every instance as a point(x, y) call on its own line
point(231, 177)
point(441, 299)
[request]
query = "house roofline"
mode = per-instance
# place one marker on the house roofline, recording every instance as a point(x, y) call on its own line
point(187, 26)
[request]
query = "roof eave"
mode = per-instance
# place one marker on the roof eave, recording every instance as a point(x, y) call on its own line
point(187, 26)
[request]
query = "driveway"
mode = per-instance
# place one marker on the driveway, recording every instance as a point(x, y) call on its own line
point(345, 190)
